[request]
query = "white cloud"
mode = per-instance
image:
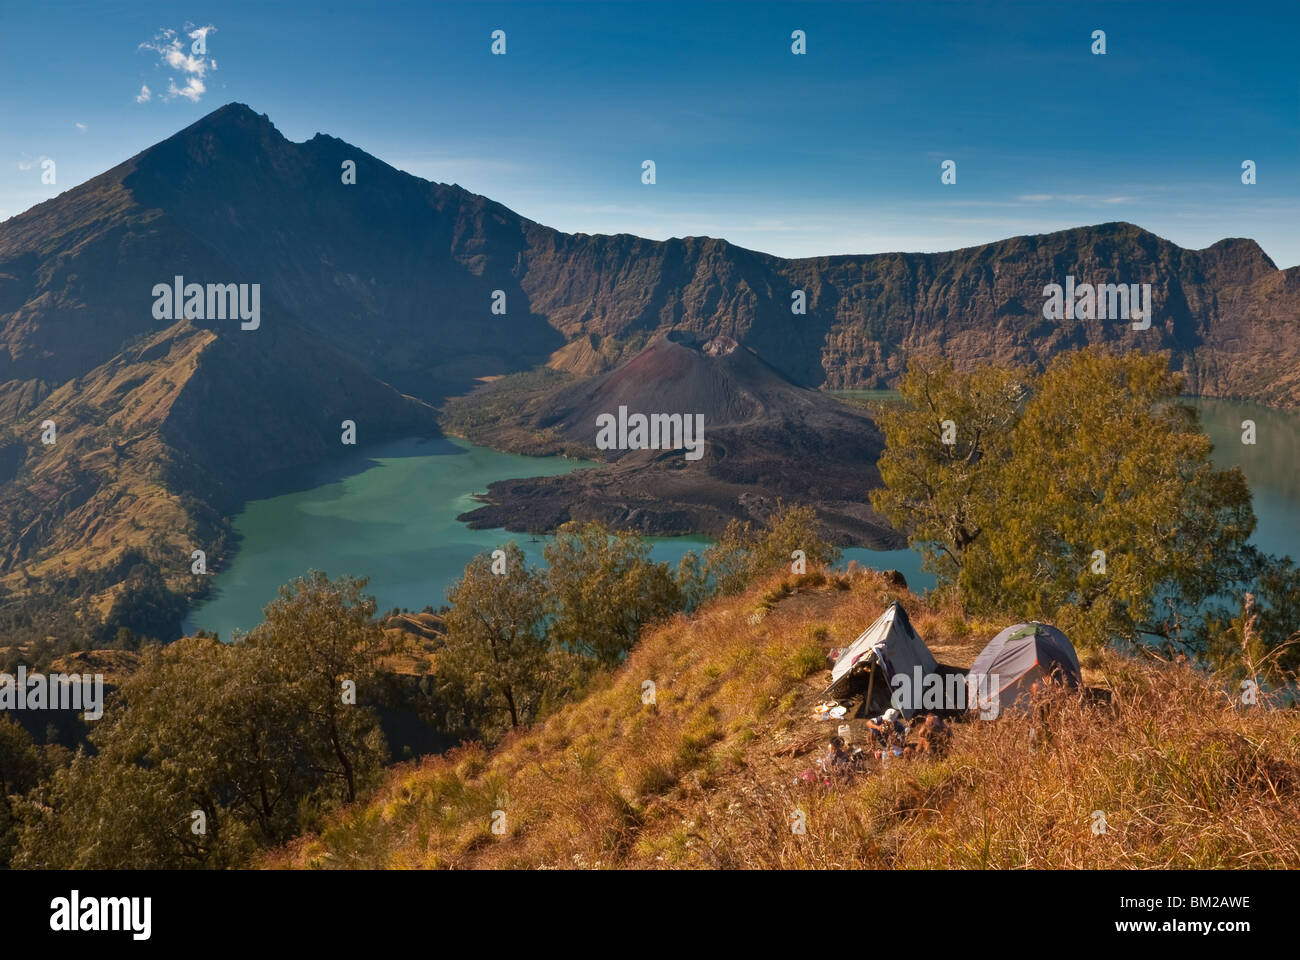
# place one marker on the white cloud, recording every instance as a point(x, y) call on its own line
point(189, 62)
point(179, 60)
point(1072, 198)
point(192, 90)
point(144, 96)
point(81, 127)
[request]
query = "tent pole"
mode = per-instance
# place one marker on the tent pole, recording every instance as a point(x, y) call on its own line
point(871, 683)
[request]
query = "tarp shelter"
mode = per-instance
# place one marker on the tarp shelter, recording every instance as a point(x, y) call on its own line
point(888, 648)
point(1020, 656)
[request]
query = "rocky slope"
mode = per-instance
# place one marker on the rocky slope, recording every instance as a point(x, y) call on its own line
point(155, 445)
point(764, 438)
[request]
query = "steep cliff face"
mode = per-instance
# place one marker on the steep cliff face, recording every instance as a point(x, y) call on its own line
point(397, 272)
point(162, 425)
point(986, 303)
point(1227, 315)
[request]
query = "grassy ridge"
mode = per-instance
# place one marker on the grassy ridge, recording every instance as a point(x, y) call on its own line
point(705, 776)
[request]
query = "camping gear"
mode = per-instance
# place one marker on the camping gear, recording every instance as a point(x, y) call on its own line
point(1020, 656)
point(889, 647)
point(888, 729)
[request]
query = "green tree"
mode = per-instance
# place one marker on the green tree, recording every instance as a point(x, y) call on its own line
point(745, 551)
point(21, 768)
point(494, 664)
point(604, 589)
point(104, 815)
point(210, 750)
point(1085, 496)
point(1112, 519)
point(943, 494)
point(320, 646)
point(1279, 621)
point(161, 754)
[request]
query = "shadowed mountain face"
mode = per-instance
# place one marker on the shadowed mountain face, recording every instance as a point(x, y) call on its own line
point(393, 271)
point(376, 300)
point(398, 273)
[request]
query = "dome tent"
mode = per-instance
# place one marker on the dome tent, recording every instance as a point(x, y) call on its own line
point(888, 648)
point(1019, 657)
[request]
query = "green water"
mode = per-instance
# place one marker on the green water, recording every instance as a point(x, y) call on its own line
point(389, 513)
point(1271, 465)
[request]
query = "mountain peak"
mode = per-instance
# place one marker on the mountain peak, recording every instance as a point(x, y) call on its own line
point(1243, 252)
point(234, 108)
point(236, 112)
point(213, 156)
point(231, 117)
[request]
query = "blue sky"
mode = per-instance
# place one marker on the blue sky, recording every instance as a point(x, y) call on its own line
point(836, 151)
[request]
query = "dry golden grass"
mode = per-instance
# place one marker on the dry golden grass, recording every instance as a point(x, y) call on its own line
point(107, 429)
point(114, 665)
point(705, 776)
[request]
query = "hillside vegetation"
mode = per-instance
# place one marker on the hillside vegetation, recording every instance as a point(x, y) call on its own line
point(1183, 773)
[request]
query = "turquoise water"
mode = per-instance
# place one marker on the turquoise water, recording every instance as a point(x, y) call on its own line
point(389, 513)
point(1271, 465)
point(906, 562)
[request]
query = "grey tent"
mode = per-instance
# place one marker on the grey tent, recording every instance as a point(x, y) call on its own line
point(888, 648)
point(1018, 657)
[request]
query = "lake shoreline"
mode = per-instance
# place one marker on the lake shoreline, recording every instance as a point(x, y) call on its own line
point(363, 528)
